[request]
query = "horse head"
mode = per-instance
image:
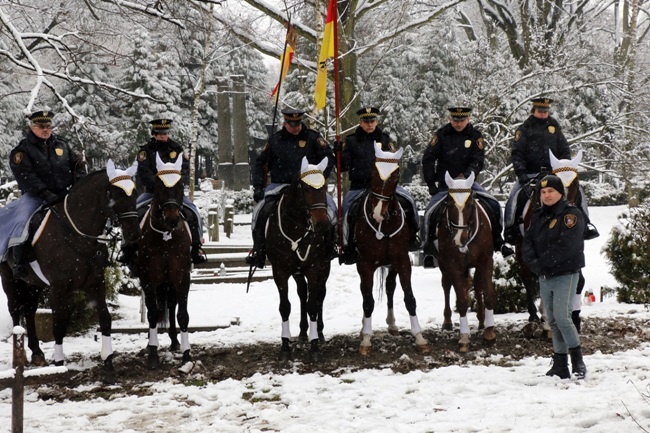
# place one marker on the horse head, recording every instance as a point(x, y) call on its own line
point(314, 191)
point(168, 192)
point(122, 199)
point(567, 170)
point(383, 183)
point(460, 208)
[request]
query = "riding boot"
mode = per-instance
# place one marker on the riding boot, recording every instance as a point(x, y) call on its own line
point(512, 233)
point(197, 253)
point(350, 254)
point(560, 366)
point(257, 256)
point(413, 224)
point(429, 248)
point(128, 257)
point(19, 268)
point(577, 365)
point(332, 245)
point(499, 244)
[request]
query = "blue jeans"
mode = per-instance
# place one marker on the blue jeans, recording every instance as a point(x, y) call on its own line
point(557, 295)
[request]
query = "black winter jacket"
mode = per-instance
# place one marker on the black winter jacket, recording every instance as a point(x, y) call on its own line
point(169, 151)
point(358, 155)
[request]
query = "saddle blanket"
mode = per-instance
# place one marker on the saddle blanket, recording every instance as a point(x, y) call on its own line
point(14, 222)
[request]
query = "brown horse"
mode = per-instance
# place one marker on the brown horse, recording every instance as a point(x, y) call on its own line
point(382, 237)
point(465, 242)
point(567, 170)
point(164, 262)
point(70, 255)
point(296, 233)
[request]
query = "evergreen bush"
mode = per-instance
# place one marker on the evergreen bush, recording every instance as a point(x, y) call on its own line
point(628, 252)
point(511, 292)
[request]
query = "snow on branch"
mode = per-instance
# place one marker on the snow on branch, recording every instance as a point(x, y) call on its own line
point(149, 9)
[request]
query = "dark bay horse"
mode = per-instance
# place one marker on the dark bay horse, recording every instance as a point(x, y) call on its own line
point(164, 262)
point(70, 254)
point(382, 237)
point(465, 242)
point(567, 170)
point(296, 234)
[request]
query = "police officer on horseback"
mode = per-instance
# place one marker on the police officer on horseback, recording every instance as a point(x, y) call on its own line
point(358, 158)
point(457, 148)
point(45, 167)
point(281, 158)
point(168, 150)
point(533, 139)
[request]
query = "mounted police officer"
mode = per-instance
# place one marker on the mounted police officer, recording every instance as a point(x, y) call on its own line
point(281, 158)
point(169, 150)
point(533, 139)
point(459, 148)
point(358, 158)
point(45, 167)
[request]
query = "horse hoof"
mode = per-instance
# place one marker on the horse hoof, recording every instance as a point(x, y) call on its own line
point(489, 335)
point(447, 327)
point(463, 348)
point(302, 337)
point(109, 376)
point(175, 346)
point(59, 363)
point(422, 348)
point(321, 337)
point(393, 331)
point(153, 361)
point(39, 360)
point(365, 350)
point(285, 356)
point(315, 357)
point(187, 357)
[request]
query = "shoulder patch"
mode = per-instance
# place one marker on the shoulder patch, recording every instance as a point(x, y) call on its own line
point(18, 157)
point(518, 135)
point(321, 141)
point(480, 143)
point(142, 155)
point(434, 141)
point(570, 220)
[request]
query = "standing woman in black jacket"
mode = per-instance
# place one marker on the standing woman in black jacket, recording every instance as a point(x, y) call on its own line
point(553, 249)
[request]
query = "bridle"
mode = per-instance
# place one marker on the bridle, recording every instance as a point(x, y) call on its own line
point(472, 224)
point(382, 197)
point(166, 234)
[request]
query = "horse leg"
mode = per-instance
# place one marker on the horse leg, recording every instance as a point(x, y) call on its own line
point(532, 291)
point(366, 276)
point(391, 285)
point(404, 270)
point(301, 285)
point(461, 287)
point(483, 285)
point(108, 371)
point(447, 324)
point(60, 318)
point(316, 284)
point(174, 345)
point(282, 282)
point(153, 360)
point(479, 288)
point(183, 324)
point(321, 301)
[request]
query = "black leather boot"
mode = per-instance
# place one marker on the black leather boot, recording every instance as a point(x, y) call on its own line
point(257, 256)
point(413, 224)
point(560, 366)
point(198, 255)
point(332, 244)
point(19, 268)
point(128, 257)
point(577, 365)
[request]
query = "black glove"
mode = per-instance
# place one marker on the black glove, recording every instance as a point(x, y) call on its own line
point(433, 190)
point(528, 190)
point(337, 146)
point(49, 198)
point(258, 194)
point(523, 180)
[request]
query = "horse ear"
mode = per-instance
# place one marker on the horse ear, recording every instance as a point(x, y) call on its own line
point(159, 163)
point(399, 153)
point(110, 166)
point(323, 164)
point(304, 164)
point(575, 161)
point(470, 179)
point(448, 180)
point(378, 151)
point(179, 162)
point(131, 171)
point(554, 161)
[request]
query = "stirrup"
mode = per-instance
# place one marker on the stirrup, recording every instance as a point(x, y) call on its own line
point(254, 258)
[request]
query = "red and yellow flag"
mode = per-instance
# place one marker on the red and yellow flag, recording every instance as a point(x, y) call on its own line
point(326, 52)
point(285, 60)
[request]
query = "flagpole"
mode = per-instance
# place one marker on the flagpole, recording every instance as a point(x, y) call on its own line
point(337, 111)
point(277, 95)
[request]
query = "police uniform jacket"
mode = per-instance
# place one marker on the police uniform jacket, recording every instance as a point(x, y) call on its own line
point(42, 166)
point(281, 157)
point(531, 144)
point(358, 155)
point(456, 152)
point(168, 150)
point(554, 243)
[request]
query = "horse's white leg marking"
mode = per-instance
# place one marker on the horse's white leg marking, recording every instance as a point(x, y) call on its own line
point(367, 326)
point(464, 325)
point(313, 330)
point(461, 222)
point(415, 325)
point(58, 353)
point(365, 341)
point(390, 320)
point(185, 341)
point(153, 337)
point(286, 332)
point(376, 212)
point(489, 318)
point(107, 347)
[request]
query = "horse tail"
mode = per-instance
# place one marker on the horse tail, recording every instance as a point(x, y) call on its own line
point(163, 311)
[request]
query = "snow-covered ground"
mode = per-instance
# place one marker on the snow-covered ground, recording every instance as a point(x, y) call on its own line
point(614, 397)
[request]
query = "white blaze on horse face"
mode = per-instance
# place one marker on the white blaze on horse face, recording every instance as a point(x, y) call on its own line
point(385, 169)
point(565, 169)
point(170, 172)
point(313, 175)
point(121, 178)
point(376, 212)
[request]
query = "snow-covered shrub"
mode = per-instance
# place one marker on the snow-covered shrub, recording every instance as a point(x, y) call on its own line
point(603, 194)
point(511, 293)
point(628, 252)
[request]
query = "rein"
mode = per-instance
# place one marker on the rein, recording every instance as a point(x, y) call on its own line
point(100, 238)
point(310, 229)
point(472, 233)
